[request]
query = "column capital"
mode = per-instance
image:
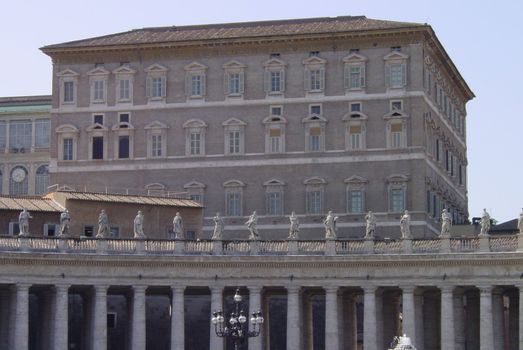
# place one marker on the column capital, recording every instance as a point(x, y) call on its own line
point(22, 286)
point(485, 288)
point(446, 289)
point(216, 289)
point(408, 289)
point(62, 287)
point(99, 288)
point(140, 289)
point(254, 289)
point(293, 289)
point(178, 289)
point(331, 289)
point(369, 289)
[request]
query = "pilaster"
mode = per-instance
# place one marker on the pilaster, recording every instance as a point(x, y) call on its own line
point(409, 313)
point(21, 327)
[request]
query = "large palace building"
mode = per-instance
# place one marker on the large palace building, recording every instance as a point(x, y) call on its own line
point(347, 114)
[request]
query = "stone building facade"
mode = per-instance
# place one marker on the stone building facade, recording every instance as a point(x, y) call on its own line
point(348, 114)
point(25, 132)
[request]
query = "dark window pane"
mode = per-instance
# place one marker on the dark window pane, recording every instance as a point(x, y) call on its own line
point(98, 147)
point(123, 147)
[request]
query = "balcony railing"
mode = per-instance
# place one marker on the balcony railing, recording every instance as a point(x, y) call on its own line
point(345, 247)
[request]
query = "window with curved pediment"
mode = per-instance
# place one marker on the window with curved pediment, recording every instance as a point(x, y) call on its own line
point(123, 139)
point(234, 135)
point(195, 191)
point(397, 193)
point(355, 194)
point(274, 77)
point(67, 141)
point(314, 195)
point(396, 124)
point(156, 139)
point(314, 133)
point(194, 137)
point(234, 197)
point(275, 133)
point(355, 127)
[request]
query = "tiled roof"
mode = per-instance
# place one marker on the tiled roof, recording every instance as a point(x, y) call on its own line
point(29, 203)
point(130, 199)
point(174, 34)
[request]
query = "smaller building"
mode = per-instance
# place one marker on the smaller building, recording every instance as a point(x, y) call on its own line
point(85, 208)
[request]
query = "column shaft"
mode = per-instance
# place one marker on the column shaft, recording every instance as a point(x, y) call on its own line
point(216, 343)
point(61, 318)
point(293, 319)
point(498, 320)
point(178, 318)
point(99, 334)
point(138, 336)
point(418, 312)
point(486, 322)
point(459, 321)
point(409, 313)
point(21, 330)
point(331, 319)
point(369, 319)
point(255, 343)
point(448, 339)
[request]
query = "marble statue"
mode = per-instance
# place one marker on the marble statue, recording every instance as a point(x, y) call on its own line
point(405, 225)
point(218, 227)
point(330, 226)
point(103, 225)
point(446, 223)
point(484, 223)
point(520, 222)
point(294, 230)
point(65, 219)
point(370, 229)
point(138, 225)
point(23, 222)
point(178, 226)
point(251, 225)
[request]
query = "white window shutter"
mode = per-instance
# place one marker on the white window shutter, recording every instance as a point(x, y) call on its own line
point(203, 84)
point(242, 82)
point(387, 75)
point(164, 86)
point(346, 77)
point(187, 84)
point(226, 78)
point(306, 79)
point(282, 80)
point(46, 229)
point(322, 78)
point(148, 87)
point(362, 76)
point(267, 81)
point(404, 73)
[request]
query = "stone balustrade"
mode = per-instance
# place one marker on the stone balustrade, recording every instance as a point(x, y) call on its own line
point(263, 247)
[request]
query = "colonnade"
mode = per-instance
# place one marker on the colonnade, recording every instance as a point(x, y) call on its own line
point(444, 316)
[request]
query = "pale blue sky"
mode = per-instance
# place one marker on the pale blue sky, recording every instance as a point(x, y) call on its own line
point(483, 38)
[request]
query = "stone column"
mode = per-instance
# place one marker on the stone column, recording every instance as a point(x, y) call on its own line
point(61, 318)
point(21, 326)
point(255, 343)
point(369, 319)
point(4, 318)
point(293, 318)
point(418, 312)
point(486, 323)
point(99, 332)
point(138, 318)
point(178, 318)
point(409, 313)
point(448, 339)
point(216, 304)
point(459, 320)
point(498, 319)
point(332, 340)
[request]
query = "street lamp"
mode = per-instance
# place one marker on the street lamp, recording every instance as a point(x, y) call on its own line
point(238, 328)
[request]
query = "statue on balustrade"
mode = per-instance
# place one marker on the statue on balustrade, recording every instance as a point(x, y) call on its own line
point(370, 229)
point(138, 225)
point(251, 225)
point(446, 223)
point(405, 225)
point(295, 226)
point(520, 222)
point(23, 222)
point(65, 219)
point(218, 227)
point(484, 223)
point(178, 226)
point(103, 225)
point(330, 226)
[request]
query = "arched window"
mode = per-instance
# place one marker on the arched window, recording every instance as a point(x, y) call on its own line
point(42, 179)
point(19, 181)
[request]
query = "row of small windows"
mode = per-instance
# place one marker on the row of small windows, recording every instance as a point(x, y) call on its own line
point(436, 204)
point(24, 135)
point(446, 158)
point(19, 180)
point(353, 75)
point(314, 195)
point(234, 134)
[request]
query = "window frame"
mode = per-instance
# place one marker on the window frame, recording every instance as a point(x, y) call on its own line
point(396, 60)
point(313, 122)
point(154, 73)
point(124, 73)
point(234, 187)
point(317, 186)
point(237, 126)
point(156, 128)
point(274, 187)
point(314, 64)
point(98, 78)
point(194, 126)
point(68, 76)
point(354, 60)
point(276, 66)
point(192, 71)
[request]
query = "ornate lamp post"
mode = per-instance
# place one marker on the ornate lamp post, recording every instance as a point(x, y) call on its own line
point(238, 329)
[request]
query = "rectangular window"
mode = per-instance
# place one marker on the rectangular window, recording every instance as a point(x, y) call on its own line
point(50, 230)
point(274, 203)
point(233, 204)
point(196, 197)
point(315, 79)
point(275, 81)
point(98, 147)
point(357, 77)
point(397, 200)
point(88, 231)
point(98, 119)
point(99, 90)
point(314, 202)
point(14, 228)
point(3, 134)
point(276, 110)
point(196, 85)
point(68, 91)
point(396, 133)
point(234, 142)
point(68, 149)
point(447, 160)
point(274, 137)
point(355, 136)
point(114, 232)
point(156, 147)
point(123, 147)
point(355, 107)
point(397, 75)
point(125, 89)
point(157, 87)
point(355, 201)
point(461, 170)
point(20, 135)
point(396, 105)
point(234, 83)
point(42, 133)
point(124, 118)
point(195, 143)
point(314, 139)
point(315, 109)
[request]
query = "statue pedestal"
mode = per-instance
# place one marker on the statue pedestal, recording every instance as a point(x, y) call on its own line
point(254, 246)
point(101, 246)
point(292, 247)
point(407, 245)
point(368, 245)
point(445, 244)
point(520, 242)
point(63, 244)
point(140, 246)
point(24, 243)
point(179, 246)
point(217, 247)
point(484, 243)
point(330, 247)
